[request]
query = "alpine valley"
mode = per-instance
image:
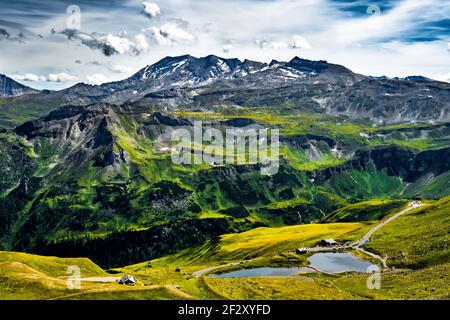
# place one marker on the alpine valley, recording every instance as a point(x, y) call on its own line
point(87, 179)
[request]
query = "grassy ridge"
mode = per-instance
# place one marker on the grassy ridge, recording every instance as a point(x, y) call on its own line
point(428, 283)
point(276, 288)
point(26, 276)
point(365, 211)
point(51, 266)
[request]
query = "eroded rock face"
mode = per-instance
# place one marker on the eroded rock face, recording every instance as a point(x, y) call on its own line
point(77, 135)
point(397, 161)
point(11, 88)
point(161, 119)
point(16, 165)
point(390, 100)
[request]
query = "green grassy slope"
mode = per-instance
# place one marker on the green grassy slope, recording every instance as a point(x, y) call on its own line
point(52, 266)
point(417, 239)
point(429, 283)
point(26, 276)
point(365, 211)
point(263, 243)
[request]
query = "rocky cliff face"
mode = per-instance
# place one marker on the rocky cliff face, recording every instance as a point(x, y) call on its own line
point(73, 139)
point(392, 100)
point(11, 88)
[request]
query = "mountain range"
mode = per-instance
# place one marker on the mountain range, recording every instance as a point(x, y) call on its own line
point(86, 169)
point(211, 83)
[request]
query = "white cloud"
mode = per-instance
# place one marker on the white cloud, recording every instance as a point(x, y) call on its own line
point(60, 77)
point(141, 42)
point(97, 78)
point(110, 44)
point(442, 77)
point(227, 48)
point(28, 77)
point(112, 67)
point(52, 77)
point(298, 42)
point(400, 19)
point(151, 9)
point(120, 44)
point(172, 33)
point(118, 68)
point(264, 44)
point(278, 45)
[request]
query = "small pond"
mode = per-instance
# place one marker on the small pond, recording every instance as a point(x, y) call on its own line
point(262, 272)
point(335, 262)
point(329, 262)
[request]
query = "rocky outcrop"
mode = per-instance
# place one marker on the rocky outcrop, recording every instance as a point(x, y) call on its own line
point(398, 162)
point(11, 88)
point(78, 135)
point(158, 119)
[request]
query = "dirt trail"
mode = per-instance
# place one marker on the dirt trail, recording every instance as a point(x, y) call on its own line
point(176, 290)
point(199, 273)
point(100, 279)
point(365, 239)
point(171, 288)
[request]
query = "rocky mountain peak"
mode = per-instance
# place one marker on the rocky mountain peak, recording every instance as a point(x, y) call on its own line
point(11, 88)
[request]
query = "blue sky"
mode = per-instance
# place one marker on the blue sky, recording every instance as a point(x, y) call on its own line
point(42, 47)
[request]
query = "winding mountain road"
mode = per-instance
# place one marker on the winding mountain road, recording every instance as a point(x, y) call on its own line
point(366, 238)
point(358, 245)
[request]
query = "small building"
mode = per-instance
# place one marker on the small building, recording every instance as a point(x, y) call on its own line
point(128, 280)
point(328, 242)
point(301, 251)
